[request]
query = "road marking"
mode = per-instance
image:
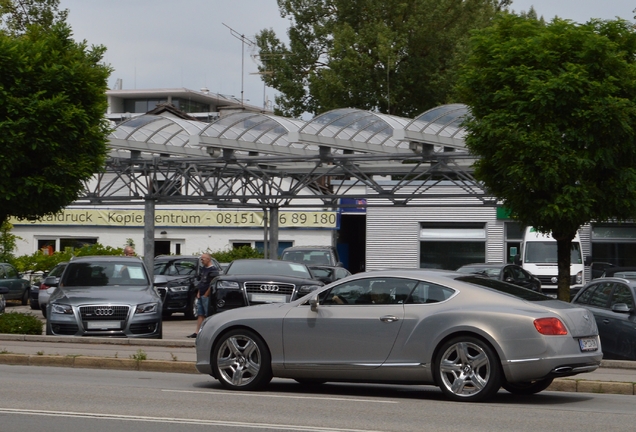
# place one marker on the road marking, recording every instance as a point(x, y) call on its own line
point(242, 395)
point(179, 421)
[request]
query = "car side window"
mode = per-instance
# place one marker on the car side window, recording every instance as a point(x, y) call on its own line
point(429, 293)
point(2, 273)
point(346, 293)
point(520, 274)
point(12, 273)
point(373, 291)
point(601, 295)
point(622, 294)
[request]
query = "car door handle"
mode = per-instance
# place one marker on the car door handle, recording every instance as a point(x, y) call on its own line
point(606, 321)
point(388, 318)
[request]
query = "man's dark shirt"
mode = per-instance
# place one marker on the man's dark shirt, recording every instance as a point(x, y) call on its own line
point(207, 274)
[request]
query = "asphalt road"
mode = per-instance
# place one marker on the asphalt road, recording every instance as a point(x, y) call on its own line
point(62, 399)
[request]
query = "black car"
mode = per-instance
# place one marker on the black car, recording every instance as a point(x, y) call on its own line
point(17, 288)
point(612, 300)
point(328, 274)
point(249, 282)
point(176, 278)
point(510, 273)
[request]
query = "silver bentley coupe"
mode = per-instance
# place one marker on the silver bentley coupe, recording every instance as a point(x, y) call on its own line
point(467, 334)
point(105, 296)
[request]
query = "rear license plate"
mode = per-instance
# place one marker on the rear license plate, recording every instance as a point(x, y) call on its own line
point(588, 344)
point(268, 298)
point(103, 325)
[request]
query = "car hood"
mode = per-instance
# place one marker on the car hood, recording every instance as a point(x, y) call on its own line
point(171, 280)
point(124, 295)
point(270, 279)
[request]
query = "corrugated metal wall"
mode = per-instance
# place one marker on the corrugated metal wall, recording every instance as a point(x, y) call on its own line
point(393, 232)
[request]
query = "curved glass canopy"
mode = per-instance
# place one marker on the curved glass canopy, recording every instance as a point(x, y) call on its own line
point(440, 125)
point(344, 130)
point(356, 130)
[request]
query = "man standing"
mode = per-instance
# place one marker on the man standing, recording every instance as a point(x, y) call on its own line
point(208, 272)
point(129, 251)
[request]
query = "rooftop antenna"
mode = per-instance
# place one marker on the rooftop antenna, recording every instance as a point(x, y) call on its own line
point(244, 40)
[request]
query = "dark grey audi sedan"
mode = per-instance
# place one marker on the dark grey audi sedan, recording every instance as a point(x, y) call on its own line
point(105, 296)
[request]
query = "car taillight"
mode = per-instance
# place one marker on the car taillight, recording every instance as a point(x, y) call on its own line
point(550, 326)
point(43, 287)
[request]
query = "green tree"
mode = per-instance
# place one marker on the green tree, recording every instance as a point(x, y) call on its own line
point(17, 15)
point(553, 115)
point(7, 242)
point(395, 57)
point(52, 127)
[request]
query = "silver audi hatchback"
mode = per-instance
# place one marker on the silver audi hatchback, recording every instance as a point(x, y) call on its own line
point(105, 296)
point(467, 334)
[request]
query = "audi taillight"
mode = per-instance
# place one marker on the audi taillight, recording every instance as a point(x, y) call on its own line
point(550, 326)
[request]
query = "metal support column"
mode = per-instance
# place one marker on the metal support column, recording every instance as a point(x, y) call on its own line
point(273, 233)
point(149, 234)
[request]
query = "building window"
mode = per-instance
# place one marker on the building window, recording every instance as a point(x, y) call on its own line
point(514, 236)
point(614, 244)
point(449, 246)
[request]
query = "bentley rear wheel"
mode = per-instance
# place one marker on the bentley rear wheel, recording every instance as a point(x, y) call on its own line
point(467, 369)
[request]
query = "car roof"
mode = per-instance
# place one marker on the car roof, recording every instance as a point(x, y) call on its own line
point(173, 257)
point(104, 258)
point(297, 248)
point(487, 265)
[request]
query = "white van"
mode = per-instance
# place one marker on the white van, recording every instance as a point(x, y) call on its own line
point(539, 257)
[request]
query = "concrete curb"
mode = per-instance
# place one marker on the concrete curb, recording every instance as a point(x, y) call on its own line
point(98, 363)
point(101, 341)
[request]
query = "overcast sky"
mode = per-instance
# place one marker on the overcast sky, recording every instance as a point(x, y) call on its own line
point(170, 44)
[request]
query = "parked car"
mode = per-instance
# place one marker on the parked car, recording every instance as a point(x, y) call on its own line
point(622, 272)
point(176, 278)
point(465, 333)
point(48, 285)
point(612, 300)
point(328, 274)
point(312, 255)
point(510, 273)
point(105, 296)
point(18, 288)
point(249, 282)
point(3, 302)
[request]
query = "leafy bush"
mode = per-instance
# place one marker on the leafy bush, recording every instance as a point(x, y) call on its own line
point(20, 323)
point(238, 253)
point(41, 262)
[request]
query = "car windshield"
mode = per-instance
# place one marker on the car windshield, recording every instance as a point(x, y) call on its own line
point(176, 267)
point(271, 268)
point(307, 257)
point(112, 273)
point(57, 270)
point(546, 252)
point(504, 287)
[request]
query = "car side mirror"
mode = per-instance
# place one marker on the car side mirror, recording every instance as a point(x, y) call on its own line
point(621, 308)
point(51, 281)
point(313, 302)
